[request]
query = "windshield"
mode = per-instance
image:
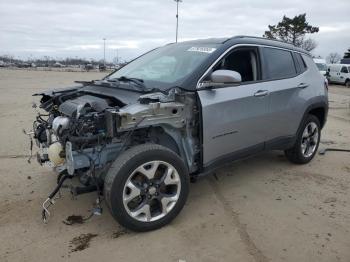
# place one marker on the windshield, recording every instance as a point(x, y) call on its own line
point(166, 66)
point(321, 67)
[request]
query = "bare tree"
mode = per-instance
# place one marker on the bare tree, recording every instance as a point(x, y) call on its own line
point(309, 44)
point(333, 58)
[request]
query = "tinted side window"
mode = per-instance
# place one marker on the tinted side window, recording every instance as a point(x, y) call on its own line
point(278, 63)
point(301, 63)
point(344, 70)
point(243, 60)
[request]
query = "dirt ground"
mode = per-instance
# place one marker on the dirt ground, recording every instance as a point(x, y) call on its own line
point(259, 209)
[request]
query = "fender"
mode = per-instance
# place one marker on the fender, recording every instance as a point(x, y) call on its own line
point(322, 103)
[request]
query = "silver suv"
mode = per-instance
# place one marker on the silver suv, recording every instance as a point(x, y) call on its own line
point(141, 134)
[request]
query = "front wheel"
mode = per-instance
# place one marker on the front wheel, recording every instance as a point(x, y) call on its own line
point(307, 141)
point(146, 187)
point(347, 83)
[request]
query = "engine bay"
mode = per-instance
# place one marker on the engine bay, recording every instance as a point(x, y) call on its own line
point(95, 122)
point(84, 129)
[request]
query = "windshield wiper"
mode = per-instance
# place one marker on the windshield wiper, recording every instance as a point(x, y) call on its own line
point(139, 82)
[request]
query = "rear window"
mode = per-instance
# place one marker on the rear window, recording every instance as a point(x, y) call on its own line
point(278, 63)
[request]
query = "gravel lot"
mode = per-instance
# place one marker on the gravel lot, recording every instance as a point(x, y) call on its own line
point(259, 209)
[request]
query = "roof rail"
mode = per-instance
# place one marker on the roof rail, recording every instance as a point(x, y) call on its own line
point(257, 37)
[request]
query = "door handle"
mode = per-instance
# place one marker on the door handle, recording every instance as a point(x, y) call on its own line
point(261, 93)
point(302, 85)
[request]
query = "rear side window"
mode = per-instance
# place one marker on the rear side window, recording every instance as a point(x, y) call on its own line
point(278, 63)
point(300, 63)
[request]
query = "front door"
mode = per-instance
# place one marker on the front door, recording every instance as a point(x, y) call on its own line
point(234, 117)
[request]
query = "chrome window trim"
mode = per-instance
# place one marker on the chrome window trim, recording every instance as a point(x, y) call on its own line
point(242, 45)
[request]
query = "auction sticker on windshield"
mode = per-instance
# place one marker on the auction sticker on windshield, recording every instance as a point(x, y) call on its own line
point(202, 49)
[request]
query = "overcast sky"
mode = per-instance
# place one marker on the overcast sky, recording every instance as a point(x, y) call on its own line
point(61, 28)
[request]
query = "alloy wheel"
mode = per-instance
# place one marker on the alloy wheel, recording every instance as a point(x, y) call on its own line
point(309, 139)
point(151, 191)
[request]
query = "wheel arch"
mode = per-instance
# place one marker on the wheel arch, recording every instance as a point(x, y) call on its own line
point(320, 110)
point(160, 136)
point(173, 139)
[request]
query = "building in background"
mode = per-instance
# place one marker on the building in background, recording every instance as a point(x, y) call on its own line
point(345, 61)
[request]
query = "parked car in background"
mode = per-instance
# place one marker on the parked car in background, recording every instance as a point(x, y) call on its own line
point(321, 65)
point(23, 65)
point(339, 74)
point(58, 65)
point(102, 67)
point(89, 67)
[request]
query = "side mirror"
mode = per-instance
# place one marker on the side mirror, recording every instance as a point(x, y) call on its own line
point(221, 78)
point(225, 77)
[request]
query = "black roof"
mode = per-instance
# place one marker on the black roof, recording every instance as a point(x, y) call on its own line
point(240, 39)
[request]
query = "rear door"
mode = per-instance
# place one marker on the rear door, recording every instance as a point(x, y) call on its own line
point(234, 117)
point(286, 81)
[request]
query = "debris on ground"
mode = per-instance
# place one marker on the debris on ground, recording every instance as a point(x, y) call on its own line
point(73, 219)
point(81, 242)
point(323, 151)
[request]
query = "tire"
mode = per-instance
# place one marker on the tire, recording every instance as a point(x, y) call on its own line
point(347, 83)
point(139, 200)
point(299, 153)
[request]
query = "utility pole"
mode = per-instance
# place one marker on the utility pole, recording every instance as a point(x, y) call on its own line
point(104, 52)
point(177, 17)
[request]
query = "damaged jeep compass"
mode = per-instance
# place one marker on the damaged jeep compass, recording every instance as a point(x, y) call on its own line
point(141, 134)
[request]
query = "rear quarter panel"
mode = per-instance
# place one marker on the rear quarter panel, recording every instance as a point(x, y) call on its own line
point(316, 94)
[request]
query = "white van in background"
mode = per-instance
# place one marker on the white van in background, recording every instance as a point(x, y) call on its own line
point(321, 65)
point(339, 73)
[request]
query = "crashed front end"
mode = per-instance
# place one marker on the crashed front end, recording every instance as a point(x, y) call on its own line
point(84, 130)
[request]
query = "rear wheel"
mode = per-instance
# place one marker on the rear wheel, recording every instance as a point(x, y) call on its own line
point(347, 83)
point(146, 187)
point(308, 139)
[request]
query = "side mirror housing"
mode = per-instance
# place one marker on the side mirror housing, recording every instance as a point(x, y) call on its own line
point(225, 77)
point(221, 78)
